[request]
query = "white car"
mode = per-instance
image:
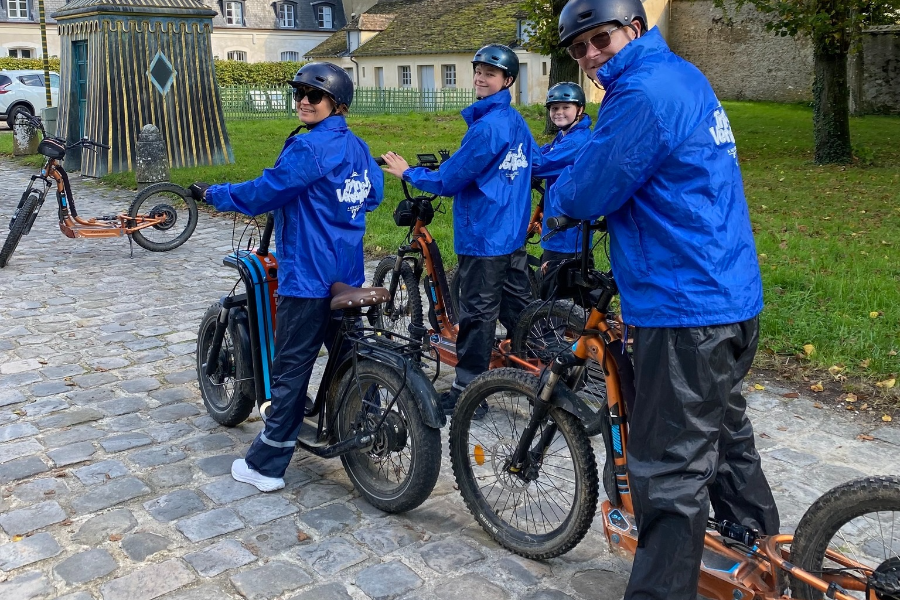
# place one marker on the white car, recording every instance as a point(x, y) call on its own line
point(24, 91)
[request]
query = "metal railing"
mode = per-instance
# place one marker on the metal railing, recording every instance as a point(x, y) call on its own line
point(275, 102)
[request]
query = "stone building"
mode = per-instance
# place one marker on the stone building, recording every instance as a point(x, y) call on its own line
point(248, 30)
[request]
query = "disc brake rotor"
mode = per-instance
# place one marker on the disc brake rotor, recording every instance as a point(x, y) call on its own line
point(886, 579)
point(501, 452)
point(166, 211)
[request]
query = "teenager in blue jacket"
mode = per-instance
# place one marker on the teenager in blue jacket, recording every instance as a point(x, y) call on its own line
point(566, 102)
point(321, 187)
point(489, 178)
point(662, 167)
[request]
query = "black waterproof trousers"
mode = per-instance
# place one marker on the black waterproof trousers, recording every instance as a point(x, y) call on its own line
point(301, 327)
point(691, 445)
point(490, 287)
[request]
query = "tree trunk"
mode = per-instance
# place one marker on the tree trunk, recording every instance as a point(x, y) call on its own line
point(831, 93)
point(562, 68)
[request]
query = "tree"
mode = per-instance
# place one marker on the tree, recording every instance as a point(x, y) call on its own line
point(543, 17)
point(832, 26)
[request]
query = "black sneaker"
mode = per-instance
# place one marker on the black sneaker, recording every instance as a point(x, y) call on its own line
point(449, 400)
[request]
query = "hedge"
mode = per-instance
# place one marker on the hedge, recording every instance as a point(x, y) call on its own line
point(27, 63)
point(228, 72)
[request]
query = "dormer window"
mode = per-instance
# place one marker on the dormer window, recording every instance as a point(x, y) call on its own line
point(324, 16)
point(525, 30)
point(18, 10)
point(287, 15)
point(352, 40)
point(234, 13)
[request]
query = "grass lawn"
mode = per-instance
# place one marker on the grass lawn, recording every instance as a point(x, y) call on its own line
point(827, 237)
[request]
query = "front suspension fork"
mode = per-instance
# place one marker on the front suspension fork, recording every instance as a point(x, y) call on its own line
point(211, 366)
point(526, 460)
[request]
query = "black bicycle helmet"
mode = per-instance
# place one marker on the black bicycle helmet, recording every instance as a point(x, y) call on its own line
point(566, 92)
point(327, 77)
point(578, 16)
point(499, 56)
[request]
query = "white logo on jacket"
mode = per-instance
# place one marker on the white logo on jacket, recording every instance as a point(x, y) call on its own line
point(513, 162)
point(721, 133)
point(355, 192)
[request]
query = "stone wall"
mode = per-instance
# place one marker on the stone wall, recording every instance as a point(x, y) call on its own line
point(875, 74)
point(740, 58)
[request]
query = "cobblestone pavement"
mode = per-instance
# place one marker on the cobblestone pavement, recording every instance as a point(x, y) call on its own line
point(114, 482)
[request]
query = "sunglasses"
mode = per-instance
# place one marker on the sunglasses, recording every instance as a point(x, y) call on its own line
point(599, 41)
point(314, 95)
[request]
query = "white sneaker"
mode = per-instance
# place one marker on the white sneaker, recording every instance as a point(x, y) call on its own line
point(241, 471)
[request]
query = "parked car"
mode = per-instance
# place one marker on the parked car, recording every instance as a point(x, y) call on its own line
point(24, 91)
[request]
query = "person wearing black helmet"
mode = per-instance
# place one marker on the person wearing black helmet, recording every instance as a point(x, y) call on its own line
point(489, 178)
point(566, 102)
point(662, 167)
point(322, 185)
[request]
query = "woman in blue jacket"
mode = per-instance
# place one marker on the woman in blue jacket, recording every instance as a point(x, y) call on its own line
point(565, 101)
point(321, 187)
point(489, 178)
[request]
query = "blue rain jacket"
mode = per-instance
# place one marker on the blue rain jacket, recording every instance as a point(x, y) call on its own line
point(554, 157)
point(662, 167)
point(489, 178)
point(320, 188)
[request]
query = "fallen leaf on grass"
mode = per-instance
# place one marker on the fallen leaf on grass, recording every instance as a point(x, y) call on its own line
point(851, 398)
point(835, 369)
point(817, 405)
point(850, 407)
point(790, 395)
point(809, 349)
point(873, 314)
point(865, 363)
point(817, 387)
point(886, 384)
point(892, 353)
point(756, 386)
point(864, 437)
point(887, 418)
point(864, 407)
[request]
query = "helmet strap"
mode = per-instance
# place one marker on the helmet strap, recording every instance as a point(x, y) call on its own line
point(637, 33)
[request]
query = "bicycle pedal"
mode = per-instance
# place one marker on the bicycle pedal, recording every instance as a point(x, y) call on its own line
point(108, 218)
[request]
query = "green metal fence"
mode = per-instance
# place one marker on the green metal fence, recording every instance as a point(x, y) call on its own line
point(274, 102)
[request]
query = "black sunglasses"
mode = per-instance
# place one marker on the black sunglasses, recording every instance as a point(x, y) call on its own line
point(314, 95)
point(599, 41)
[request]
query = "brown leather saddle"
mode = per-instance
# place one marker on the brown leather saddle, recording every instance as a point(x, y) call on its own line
point(347, 296)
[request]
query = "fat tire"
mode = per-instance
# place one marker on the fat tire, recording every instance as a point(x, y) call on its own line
point(229, 410)
point(425, 462)
point(23, 215)
point(11, 120)
point(578, 522)
point(135, 209)
point(829, 513)
point(382, 278)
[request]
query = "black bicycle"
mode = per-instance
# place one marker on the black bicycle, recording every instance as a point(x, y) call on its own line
point(375, 408)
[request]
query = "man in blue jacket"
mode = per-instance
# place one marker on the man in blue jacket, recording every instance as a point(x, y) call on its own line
point(489, 178)
point(566, 102)
point(321, 188)
point(662, 167)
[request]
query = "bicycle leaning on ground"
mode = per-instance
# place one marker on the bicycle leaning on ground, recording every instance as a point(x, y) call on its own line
point(527, 472)
point(375, 408)
point(162, 216)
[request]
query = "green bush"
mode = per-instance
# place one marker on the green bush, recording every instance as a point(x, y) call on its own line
point(228, 72)
point(14, 64)
point(235, 72)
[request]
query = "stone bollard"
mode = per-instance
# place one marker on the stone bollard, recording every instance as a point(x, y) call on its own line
point(152, 163)
point(25, 138)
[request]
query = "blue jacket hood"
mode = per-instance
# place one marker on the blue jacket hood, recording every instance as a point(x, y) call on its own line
point(489, 178)
point(322, 185)
point(662, 166)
